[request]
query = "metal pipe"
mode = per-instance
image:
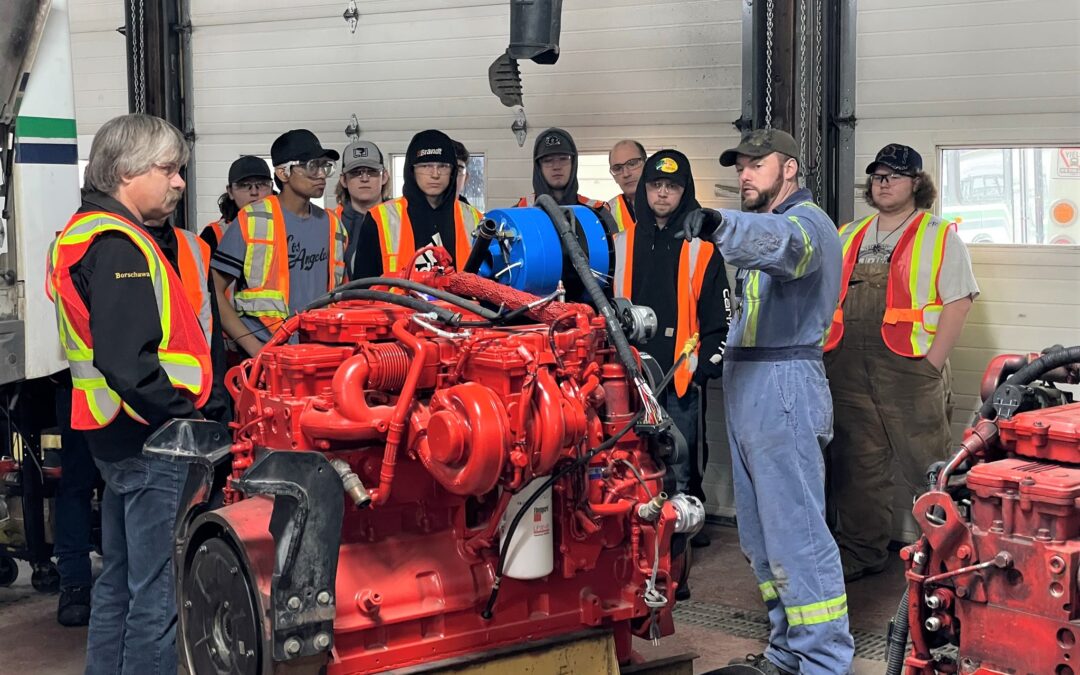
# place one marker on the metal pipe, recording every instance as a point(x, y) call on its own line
point(354, 487)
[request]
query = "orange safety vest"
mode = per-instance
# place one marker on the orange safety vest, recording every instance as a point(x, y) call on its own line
point(183, 307)
point(912, 303)
point(396, 241)
point(266, 264)
point(218, 228)
point(530, 200)
point(693, 261)
point(620, 212)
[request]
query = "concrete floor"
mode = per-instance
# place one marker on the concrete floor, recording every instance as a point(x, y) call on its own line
point(32, 642)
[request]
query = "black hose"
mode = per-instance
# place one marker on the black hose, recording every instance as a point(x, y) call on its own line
point(1031, 372)
point(485, 232)
point(441, 313)
point(581, 266)
point(409, 284)
point(896, 645)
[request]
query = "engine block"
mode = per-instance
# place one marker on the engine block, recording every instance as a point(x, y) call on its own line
point(439, 435)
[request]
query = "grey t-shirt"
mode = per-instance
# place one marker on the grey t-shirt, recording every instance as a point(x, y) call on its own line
point(308, 241)
point(956, 280)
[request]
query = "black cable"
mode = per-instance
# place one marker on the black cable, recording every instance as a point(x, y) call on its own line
point(441, 313)
point(581, 266)
point(488, 611)
point(418, 287)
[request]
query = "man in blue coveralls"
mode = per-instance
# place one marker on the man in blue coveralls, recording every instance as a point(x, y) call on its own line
point(779, 411)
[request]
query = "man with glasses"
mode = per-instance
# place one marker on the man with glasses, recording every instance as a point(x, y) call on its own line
point(249, 181)
point(283, 251)
point(626, 161)
point(906, 289)
point(685, 283)
point(363, 184)
point(427, 214)
point(555, 167)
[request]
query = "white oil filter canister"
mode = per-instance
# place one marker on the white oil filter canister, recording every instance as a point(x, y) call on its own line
point(531, 552)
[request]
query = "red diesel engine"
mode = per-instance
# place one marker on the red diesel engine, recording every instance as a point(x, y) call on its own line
point(996, 571)
point(412, 483)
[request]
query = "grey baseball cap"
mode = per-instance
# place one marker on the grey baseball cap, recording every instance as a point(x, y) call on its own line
point(759, 143)
point(361, 154)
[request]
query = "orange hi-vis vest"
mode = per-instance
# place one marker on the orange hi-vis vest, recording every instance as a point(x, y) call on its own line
point(530, 200)
point(693, 261)
point(396, 242)
point(183, 306)
point(912, 303)
point(218, 228)
point(620, 212)
point(266, 261)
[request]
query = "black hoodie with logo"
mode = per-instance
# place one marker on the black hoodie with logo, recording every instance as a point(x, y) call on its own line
point(430, 225)
point(656, 267)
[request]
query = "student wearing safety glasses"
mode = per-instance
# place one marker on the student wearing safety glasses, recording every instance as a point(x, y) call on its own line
point(283, 251)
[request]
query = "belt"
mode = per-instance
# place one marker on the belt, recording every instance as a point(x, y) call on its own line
point(797, 353)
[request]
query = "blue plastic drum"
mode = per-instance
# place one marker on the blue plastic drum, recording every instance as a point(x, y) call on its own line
point(527, 253)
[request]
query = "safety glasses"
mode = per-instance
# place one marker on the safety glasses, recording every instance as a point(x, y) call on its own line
point(629, 164)
point(312, 167)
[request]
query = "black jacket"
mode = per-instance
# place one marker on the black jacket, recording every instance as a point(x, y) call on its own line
point(126, 330)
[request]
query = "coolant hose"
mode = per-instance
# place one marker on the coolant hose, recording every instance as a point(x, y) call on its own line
point(581, 265)
point(897, 642)
point(485, 232)
point(1030, 372)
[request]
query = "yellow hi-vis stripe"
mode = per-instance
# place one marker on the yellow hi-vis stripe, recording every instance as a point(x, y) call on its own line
point(752, 302)
point(818, 612)
point(808, 249)
point(768, 591)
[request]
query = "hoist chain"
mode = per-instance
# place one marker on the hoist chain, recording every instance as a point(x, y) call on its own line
point(819, 77)
point(768, 62)
point(804, 94)
point(138, 58)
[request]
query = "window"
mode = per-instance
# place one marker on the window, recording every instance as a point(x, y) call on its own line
point(1012, 195)
point(475, 184)
point(594, 177)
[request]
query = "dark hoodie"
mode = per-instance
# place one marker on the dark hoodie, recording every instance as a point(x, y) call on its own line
point(556, 142)
point(427, 222)
point(656, 264)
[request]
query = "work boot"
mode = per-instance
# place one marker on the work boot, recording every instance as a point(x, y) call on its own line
point(763, 664)
point(854, 573)
point(701, 539)
point(74, 606)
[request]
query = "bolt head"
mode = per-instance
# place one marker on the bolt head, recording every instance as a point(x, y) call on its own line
point(323, 598)
point(292, 646)
point(293, 603)
point(322, 641)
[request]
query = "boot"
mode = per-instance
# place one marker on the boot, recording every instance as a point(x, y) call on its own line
point(763, 664)
point(74, 606)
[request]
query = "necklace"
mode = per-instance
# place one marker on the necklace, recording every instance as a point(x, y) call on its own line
point(877, 232)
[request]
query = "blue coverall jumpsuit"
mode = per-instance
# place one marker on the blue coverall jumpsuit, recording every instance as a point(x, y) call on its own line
point(779, 416)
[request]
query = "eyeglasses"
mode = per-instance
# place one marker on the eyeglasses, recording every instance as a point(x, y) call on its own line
point(252, 185)
point(312, 167)
point(431, 168)
point(886, 178)
point(550, 160)
point(663, 186)
point(169, 170)
point(630, 164)
point(367, 173)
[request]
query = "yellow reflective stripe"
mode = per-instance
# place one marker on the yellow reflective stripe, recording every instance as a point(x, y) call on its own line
point(935, 265)
point(752, 303)
point(818, 612)
point(848, 233)
point(768, 591)
point(808, 249)
point(913, 283)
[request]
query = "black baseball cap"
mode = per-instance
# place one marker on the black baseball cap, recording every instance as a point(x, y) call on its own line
point(299, 145)
point(669, 164)
point(759, 143)
point(897, 157)
point(555, 142)
point(248, 166)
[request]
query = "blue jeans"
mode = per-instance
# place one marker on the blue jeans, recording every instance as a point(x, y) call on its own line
point(133, 615)
point(74, 520)
point(683, 411)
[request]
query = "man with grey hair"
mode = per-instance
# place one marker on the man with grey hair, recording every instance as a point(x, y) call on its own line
point(136, 311)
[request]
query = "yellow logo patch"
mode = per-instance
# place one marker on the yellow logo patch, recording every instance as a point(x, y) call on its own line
point(667, 165)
